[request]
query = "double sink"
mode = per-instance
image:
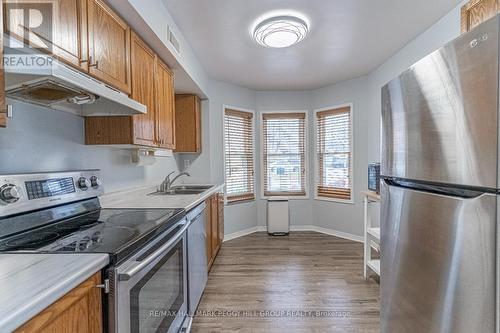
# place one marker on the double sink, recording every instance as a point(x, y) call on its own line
point(183, 189)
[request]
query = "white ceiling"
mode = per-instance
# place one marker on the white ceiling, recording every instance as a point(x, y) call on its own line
point(347, 38)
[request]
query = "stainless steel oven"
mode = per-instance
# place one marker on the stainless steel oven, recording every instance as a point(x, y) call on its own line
point(148, 292)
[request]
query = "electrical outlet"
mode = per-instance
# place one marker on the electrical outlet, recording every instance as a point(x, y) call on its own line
point(187, 164)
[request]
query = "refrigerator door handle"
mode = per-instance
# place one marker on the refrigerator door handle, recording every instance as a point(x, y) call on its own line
point(439, 189)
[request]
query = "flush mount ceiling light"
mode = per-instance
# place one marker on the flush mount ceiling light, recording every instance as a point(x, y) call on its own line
point(280, 31)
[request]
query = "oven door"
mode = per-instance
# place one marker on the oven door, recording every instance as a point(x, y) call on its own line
point(151, 287)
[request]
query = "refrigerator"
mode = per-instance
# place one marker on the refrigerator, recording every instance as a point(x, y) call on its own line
point(439, 190)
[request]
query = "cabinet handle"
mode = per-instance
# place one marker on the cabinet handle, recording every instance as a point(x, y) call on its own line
point(96, 64)
point(104, 286)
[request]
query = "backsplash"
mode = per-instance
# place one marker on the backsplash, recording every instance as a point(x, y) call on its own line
point(38, 139)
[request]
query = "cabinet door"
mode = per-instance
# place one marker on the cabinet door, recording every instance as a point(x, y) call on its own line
point(220, 216)
point(79, 311)
point(208, 227)
point(187, 123)
point(70, 33)
point(165, 106)
point(66, 35)
point(143, 61)
point(477, 11)
point(109, 46)
point(215, 226)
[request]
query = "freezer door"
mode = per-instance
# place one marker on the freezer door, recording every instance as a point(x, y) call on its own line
point(439, 118)
point(437, 262)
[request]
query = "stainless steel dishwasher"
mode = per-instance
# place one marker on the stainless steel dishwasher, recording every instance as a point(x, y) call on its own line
point(197, 256)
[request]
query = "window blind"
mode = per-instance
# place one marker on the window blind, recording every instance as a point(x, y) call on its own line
point(239, 155)
point(284, 154)
point(334, 153)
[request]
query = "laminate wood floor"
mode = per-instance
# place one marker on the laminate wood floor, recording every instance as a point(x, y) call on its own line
point(305, 282)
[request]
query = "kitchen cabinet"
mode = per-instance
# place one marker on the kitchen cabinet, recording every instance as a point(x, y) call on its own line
point(214, 226)
point(164, 87)
point(143, 78)
point(66, 38)
point(109, 46)
point(477, 11)
point(80, 310)
point(188, 124)
point(152, 85)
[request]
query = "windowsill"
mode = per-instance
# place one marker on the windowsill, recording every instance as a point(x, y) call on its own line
point(334, 200)
point(239, 202)
point(292, 197)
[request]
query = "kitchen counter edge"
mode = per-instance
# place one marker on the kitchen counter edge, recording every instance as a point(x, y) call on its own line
point(31, 282)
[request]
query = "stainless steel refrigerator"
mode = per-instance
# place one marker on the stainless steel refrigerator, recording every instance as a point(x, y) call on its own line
point(439, 188)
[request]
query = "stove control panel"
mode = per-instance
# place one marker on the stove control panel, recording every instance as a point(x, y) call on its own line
point(25, 192)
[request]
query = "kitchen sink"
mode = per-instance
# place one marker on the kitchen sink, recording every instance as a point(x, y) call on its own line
point(184, 189)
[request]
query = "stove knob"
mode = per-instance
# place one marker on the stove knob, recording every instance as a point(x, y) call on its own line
point(84, 184)
point(84, 243)
point(10, 193)
point(96, 237)
point(96, 182)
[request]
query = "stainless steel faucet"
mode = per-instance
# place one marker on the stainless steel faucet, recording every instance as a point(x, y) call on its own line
point(167, 183)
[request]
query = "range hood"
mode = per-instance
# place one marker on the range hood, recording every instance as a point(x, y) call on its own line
point(63, 88)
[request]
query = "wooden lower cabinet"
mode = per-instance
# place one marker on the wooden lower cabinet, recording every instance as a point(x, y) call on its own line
point(476, 12)
point(79, 311)
point(214, 227)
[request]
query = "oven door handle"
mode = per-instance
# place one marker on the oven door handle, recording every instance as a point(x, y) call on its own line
point(140, 265)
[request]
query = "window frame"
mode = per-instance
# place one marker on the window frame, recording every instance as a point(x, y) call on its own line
point(352, 154)
point(237, 108)
point(306, 154)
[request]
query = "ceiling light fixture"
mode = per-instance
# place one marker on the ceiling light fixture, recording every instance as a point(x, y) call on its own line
point(280, 31)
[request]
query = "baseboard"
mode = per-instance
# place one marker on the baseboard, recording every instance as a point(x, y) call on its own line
point(325, 231)
point(241, 233)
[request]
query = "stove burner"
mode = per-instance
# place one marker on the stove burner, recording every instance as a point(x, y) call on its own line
point(33, 239)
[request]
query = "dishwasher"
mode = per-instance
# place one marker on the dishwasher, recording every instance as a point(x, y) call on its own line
point(197, 257)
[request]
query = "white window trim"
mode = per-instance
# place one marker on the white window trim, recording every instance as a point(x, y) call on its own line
point(316, 162)
point(306, 162)
point(237, 108)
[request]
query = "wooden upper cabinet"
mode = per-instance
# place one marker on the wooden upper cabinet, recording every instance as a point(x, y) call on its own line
point(109, 46)
point(69, 36)
point(165, 106)
point(143, 78)
point(65, 37)
point(188, 124)
point(152, 84)
point(477, 11)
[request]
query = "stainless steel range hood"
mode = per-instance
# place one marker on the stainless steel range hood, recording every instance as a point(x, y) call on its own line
point(63, 88)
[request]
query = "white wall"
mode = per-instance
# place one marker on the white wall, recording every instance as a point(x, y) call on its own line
point(38, 139)
point(364, 93)
point(237, 216)
point(347, 217)
point(301, 209)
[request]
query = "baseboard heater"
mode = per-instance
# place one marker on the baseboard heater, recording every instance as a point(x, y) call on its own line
point(278, 217)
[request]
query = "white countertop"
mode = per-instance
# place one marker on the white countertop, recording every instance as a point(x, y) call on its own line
point(29, 283)
point(139, 198)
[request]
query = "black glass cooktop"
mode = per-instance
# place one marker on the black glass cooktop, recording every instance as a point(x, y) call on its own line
point(115, 231)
